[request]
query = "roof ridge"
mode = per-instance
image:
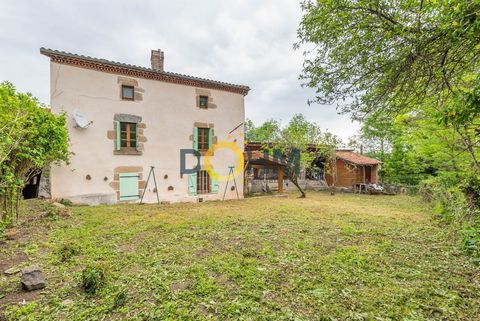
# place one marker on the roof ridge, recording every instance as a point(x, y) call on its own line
point(53, 52)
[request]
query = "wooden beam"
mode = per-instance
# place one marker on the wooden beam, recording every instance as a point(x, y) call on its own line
point(280, 178)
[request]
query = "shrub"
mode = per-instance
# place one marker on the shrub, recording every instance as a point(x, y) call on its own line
point(471, 240)
point(457, 199)
point(93, 278)
point(445, 195)
point(66, 202)
point(471, 187)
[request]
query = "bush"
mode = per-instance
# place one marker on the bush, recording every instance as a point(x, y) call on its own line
point(445, 195)
point(66, 202)
point(471, 239)
point(471, 187)
point(93, 278)
point(457, 199)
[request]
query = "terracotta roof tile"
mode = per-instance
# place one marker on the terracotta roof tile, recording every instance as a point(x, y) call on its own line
point(97, 63)
point(355, 158)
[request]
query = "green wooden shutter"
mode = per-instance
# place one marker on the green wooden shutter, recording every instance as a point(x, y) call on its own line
point(116, 124)
point(210, 137)
point(195, 138)
point(128, 186)
point(137, 147)
point(214, 185)
point(192, 184)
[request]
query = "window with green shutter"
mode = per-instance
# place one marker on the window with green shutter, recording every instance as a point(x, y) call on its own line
point(129, 186)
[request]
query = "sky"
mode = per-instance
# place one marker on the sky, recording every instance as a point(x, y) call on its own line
point(244, 42)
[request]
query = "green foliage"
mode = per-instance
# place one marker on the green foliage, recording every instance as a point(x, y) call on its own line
point(66, 202)
point(265, 133)
point(94, 278)
point(471, 187)
point(32, 138)
point(23, 312)
point(120, 298)
point(445, 195)
point(389, 55)
point(411, 67)
point(67, 251)
point(471, 239)
point(298, 143)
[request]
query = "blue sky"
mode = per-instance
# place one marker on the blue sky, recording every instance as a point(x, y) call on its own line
point(246, 42)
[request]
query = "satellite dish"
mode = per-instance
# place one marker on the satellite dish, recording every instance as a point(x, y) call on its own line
point(81, 119)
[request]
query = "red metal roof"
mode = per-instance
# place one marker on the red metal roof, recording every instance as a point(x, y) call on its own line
point(357, 159)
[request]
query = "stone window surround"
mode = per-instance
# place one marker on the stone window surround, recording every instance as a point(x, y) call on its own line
point(204, 92)
point(205, 125)
point(130, 82)
point(112, 135)
point(115, 184)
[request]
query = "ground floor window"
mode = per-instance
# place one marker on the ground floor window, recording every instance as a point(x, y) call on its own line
point(203, 182)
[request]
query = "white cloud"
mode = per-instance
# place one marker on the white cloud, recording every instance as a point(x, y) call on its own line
point(240, 41)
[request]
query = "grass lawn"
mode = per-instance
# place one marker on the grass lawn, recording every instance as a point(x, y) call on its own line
point(342, 257)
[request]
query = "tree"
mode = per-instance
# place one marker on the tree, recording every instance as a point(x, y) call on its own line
point(389, 55)
point(300, 142)
point(266, 132)
point(32, 138)
point(413, 59)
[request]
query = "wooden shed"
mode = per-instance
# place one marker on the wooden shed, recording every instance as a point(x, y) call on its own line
point(352, 168)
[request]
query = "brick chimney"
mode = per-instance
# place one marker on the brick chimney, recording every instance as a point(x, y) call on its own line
point(157, 59)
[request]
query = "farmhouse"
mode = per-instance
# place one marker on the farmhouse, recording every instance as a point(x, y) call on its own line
point(124, 119)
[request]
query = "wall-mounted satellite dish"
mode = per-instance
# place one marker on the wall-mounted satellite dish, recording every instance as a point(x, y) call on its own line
point(81, 119)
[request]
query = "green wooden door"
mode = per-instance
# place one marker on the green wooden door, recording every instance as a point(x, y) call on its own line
point(129, 186)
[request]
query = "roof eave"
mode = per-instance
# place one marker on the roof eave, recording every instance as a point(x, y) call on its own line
point(69, 58)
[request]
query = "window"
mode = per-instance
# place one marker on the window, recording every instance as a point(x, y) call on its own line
point(203, 182)
point(127, 92)
point(203, 101)
point(128, 135)
point(203, 139)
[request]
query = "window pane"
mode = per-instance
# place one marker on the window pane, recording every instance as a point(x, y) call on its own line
point(203, 101)
point(127, 92)
point(203, 182)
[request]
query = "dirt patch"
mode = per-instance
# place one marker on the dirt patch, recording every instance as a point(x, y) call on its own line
point(34, 224)
point(179, 286)
point(18, 297)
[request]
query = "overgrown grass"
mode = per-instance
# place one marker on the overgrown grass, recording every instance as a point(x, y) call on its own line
point(342, 257)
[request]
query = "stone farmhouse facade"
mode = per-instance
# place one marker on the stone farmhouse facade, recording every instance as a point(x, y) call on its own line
point(138, 118)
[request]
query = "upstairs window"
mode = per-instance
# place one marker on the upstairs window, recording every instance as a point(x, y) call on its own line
point(127, 92)
point(203, 101)
point(204, 139)
point(203, 182)
point(128, 135)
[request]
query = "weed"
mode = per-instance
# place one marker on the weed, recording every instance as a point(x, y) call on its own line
point(93, 278)
point(67, 251)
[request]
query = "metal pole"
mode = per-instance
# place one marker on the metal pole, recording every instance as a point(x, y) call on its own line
point(146, 184)
point(235, 183)
point(226, 185)
point(155, 182)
